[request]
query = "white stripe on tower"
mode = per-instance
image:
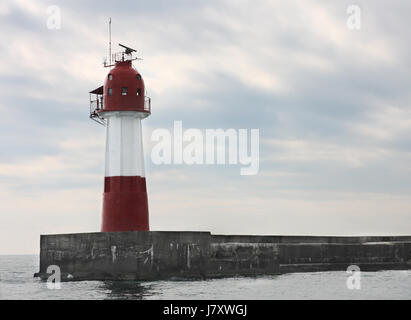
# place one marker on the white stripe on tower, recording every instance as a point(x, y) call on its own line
point(124, 144)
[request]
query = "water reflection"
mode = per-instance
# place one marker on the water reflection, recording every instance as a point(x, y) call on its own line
point(127, 290)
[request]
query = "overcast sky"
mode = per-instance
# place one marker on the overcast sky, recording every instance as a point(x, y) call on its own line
point(332, 106)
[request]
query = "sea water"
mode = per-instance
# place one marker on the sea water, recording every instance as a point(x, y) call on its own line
point(17, 282)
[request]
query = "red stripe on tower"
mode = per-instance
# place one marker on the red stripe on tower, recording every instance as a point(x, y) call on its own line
point(125, 205)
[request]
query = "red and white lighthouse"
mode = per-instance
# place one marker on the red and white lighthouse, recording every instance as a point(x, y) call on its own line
point(120, 105)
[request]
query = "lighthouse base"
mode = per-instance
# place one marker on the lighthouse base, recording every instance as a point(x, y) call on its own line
point(153, 255)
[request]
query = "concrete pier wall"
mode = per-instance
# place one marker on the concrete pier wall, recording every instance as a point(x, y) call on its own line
point(307, 239)
point(141, 255)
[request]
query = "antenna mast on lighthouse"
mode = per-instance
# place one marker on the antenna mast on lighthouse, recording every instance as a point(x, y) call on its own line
point(109, 40)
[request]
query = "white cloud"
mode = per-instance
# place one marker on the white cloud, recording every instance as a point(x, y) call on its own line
point(315, 151)
point(385, 123)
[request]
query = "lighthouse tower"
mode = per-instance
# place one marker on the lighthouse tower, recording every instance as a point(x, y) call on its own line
point(120, 104)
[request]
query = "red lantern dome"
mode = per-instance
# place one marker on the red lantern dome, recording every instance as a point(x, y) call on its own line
point(124, 89)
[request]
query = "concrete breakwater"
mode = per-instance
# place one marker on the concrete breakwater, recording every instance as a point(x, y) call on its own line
point(153, 255)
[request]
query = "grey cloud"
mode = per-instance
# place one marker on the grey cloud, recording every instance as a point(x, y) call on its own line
point(210, 59)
